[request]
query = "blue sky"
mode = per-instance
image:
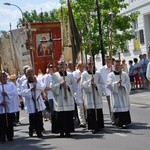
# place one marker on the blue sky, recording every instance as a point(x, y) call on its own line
point(11, 14)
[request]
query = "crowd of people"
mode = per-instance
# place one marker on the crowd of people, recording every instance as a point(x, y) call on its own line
point(57, 95)
point(137, 72)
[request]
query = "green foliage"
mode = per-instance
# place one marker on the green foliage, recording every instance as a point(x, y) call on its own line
point(121, 24)
point(53, 15)
point(87, 22)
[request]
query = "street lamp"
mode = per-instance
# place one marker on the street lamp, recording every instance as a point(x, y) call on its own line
point(9, 4)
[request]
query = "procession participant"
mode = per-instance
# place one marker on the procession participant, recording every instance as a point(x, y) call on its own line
point(93, 86)
point(40, 75)
point(145, 63)
point(31, 89)
point(118, 83)
point(131, 74)
point(137, 77)
point(104, 71)
point(148, 71)
point(8, 91)
point(70, 67)
point(79, 95)
point(124, 66)
point(12, 78)
point(140, 65)
point(19, 81)
point(63, 87)
point(47, 80)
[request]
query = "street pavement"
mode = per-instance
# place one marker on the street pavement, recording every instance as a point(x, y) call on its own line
point(111, 138)
point(140, 97)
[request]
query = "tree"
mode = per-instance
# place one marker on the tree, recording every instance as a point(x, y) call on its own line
point(40, 17)
point(87, 22)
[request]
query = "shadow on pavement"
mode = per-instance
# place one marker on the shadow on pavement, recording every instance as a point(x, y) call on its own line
point(138, 125)
point(26, 143)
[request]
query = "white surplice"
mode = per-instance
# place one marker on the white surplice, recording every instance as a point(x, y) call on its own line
point(29, 95)
point(79, 92)
point(104, 71)
point(88, 91)
point(60, 103)
point(11, 90)
point(120, 101)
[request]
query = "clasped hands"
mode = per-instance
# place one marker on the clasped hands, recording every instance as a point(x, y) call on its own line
point(3, 103)
point(4, 94)
point(92, 82)
point(63, 84)
point(120, 82)
point(33, 88)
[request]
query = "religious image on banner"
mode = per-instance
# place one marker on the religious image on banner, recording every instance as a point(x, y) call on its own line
point(43, 44)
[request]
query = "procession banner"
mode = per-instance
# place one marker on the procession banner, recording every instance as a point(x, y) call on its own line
point(46, 43)
point(20, 55)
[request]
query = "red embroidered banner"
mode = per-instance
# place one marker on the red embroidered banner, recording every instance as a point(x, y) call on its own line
point(46, 42)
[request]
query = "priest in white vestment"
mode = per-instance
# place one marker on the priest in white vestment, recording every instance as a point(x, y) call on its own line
point(118, 83)
point(63, 86)
point(8, 91)
point(93, 87)
point(31, 89)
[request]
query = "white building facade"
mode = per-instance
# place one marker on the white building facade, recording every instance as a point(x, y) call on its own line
point(141, 27)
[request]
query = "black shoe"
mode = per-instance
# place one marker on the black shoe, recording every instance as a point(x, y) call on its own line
point(15, 124)
point(43, 129)
point(18, 123)
point(83, 125)
point(113, 123)
point(40, 135)
point(124, 127)
point(61, 135)
point(67, 135)
point(94, 131)
point(2, 140)
point(11, 140)
point(30, 134)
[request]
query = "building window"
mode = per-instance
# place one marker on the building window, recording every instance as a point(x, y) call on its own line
point(135, 25)
point(136, 33)
point(141, 35)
